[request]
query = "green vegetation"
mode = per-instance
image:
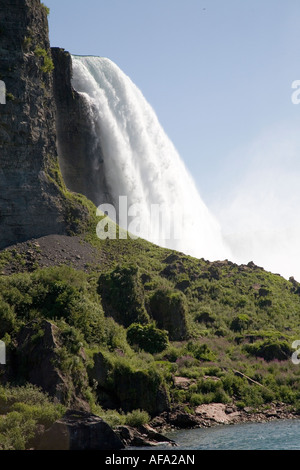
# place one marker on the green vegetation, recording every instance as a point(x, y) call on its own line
point(10, 97)
point(127, 328)
point(149, 338)
point(22, 411)
point(47, 65)
point(47, 9)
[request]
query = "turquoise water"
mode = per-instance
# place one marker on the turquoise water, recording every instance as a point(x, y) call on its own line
point(275, 435)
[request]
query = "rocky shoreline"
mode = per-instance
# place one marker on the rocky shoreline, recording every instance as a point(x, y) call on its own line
point(79, 430)
point(206, 416)
point(216, 414)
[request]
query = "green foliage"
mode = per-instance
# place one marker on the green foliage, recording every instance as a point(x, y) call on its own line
point(123, 296)
point(47, 9)
point(137, 418)
point(270, 350)
point(205, 316)
point(7, 318)
point(169, 310)
point(10, 97)
point(240, 323)
point(202, 352)
point(234, 318)
point(47, 65)
point(23, 410)
point(149, 338)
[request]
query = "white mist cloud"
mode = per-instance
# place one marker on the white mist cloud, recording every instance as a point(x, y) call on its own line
point(260, 214)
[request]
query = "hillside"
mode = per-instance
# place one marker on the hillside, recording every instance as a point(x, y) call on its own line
point(123, 329)
point(208, 332)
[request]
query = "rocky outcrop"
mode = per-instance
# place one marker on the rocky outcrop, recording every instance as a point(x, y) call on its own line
point(32, 202)
point(77, 157)
point(37, 360)
point(37, 355)
point(144, 436)
point(135, 388)
point(80, 431)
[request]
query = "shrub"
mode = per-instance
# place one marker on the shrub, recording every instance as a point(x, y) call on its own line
point(149, 338)
point(47, 65)
point(7, 318)
point(123, 296)
point(47, 9)
point(169, 310)
point(205, 317)
point(240, 323)
point(22, 410)
point(270, 350)
point(137, 418)
point(202, 352)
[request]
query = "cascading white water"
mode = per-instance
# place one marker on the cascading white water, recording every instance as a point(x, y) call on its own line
point(140, 162)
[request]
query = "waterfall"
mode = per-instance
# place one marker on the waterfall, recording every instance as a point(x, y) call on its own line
point(141, 162)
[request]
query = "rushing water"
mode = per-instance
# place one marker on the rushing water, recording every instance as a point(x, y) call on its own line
point(141, 163)
point(275, 435)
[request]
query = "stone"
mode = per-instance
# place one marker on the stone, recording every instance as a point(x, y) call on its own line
point(37, 362)
point(144, 436)
point(32, 202)
point(80, 431)
point(75, 134)
point(35, 358)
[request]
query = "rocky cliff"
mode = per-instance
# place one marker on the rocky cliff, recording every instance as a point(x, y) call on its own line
point(32, 201)
point(75, 141)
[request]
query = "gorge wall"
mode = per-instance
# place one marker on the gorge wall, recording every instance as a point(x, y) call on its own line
point(76, 144)
point(32, 202)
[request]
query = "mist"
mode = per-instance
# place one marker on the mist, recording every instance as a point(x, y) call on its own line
point(259, 215)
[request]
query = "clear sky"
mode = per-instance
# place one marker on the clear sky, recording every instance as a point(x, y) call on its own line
point(218, 73)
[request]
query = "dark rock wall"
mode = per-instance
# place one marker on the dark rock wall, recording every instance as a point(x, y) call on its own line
point(31, 204)
point(80, 156)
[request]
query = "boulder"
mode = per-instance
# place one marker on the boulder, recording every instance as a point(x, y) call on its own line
point(79, 430)
point(144, 436)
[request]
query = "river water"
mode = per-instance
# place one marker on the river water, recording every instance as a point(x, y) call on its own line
point(275, 435)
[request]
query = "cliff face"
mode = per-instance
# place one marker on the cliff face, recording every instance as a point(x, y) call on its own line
point(75, 141)
point(32, 203)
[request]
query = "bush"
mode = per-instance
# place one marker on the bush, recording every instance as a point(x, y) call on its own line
point(7, 319)
point(22, 410)
point(202, 352)
point(47, 65)
point(137, 418)
point(149, 338)
point(240, 323)
point(123, 296)
point(205, 317)
point(169, 310)
point(270, 350)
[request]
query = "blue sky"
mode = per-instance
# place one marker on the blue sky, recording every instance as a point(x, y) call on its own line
point(218, 73)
